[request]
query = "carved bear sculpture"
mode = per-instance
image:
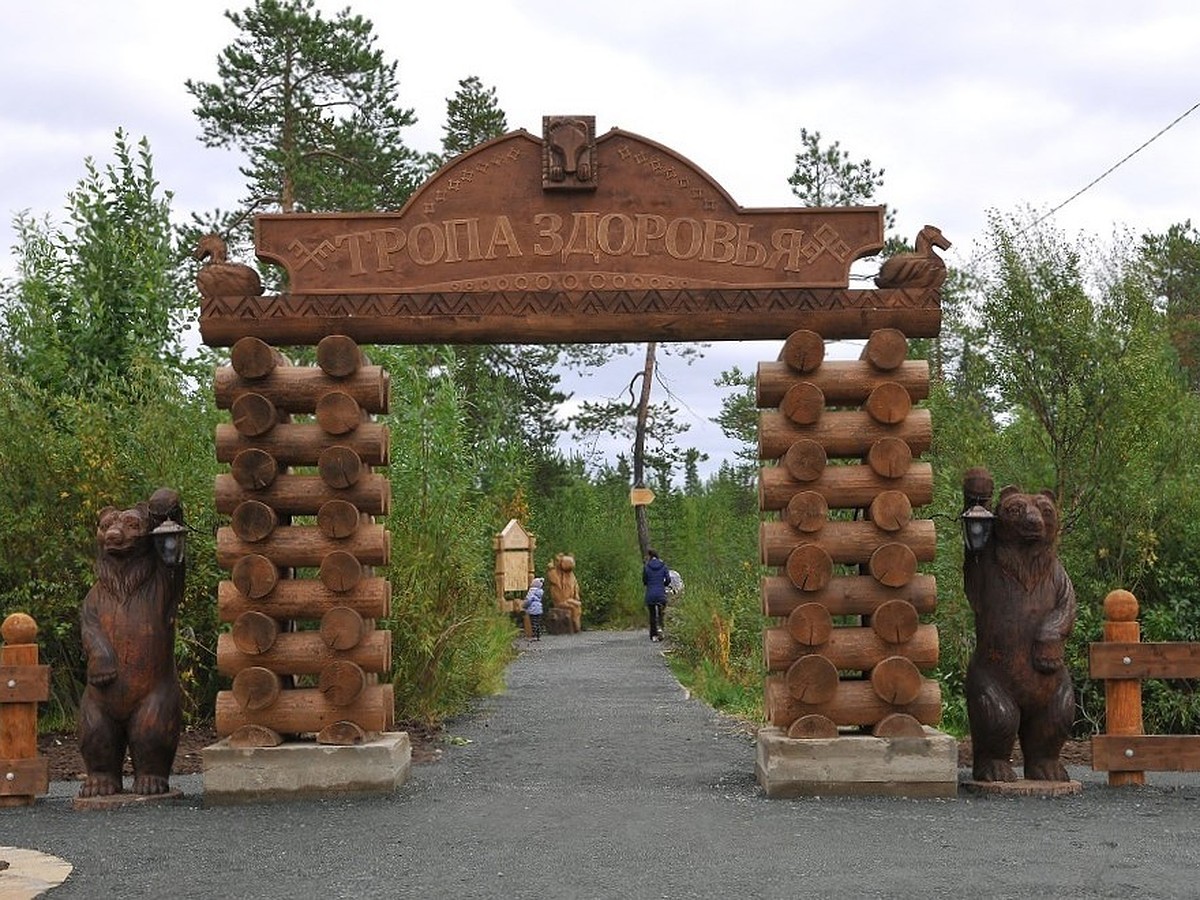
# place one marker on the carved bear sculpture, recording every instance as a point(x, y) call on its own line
point(132, 698)
point(1018, 685)
point(564, 590)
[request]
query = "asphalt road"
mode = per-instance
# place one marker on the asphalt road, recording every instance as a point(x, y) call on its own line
point(595, 775)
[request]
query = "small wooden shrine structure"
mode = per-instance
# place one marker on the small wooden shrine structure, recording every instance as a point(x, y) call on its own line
point(513, 548)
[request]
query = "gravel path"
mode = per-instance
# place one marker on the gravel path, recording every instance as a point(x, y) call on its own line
point(594, 775)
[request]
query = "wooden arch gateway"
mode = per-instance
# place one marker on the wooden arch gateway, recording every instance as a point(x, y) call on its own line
point(569, 237)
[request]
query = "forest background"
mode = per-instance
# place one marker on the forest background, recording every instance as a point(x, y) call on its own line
point(1065, 362)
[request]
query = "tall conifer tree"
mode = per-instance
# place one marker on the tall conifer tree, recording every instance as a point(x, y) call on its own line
point(473, 115)
point(313, 106)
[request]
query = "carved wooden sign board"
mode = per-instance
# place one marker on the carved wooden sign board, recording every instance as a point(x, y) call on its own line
point(568, 237)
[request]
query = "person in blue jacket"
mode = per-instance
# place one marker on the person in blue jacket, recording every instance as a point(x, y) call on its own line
point(533, 606)
point(655, 576)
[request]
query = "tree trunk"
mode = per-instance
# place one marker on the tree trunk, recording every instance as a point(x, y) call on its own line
point(852, 595)
point(303, 598)
point(848, 648)
point(639, 447)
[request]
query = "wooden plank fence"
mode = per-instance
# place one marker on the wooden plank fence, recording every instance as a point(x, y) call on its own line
point(24, 775)
point(1124, 751)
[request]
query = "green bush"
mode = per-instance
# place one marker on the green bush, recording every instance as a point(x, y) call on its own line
point(716, 642)
point(449, 643)
point(63, 457)
point(591, 520)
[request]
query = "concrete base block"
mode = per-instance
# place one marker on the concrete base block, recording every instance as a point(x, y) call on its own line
point(855, 765)
point(303, 770)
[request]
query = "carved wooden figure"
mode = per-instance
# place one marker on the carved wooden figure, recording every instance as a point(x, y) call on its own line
point(1017, 683)
point(220, 278)
point(570, 146)
point(564, 589)
point(132, 698)
point(920, 269)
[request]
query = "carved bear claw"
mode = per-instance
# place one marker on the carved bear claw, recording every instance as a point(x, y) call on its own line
point(100, 785)
point(1046, 770)
point(993, 770)
point(151, 784)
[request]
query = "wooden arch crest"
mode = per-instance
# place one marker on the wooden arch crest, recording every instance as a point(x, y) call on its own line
point(491, 249)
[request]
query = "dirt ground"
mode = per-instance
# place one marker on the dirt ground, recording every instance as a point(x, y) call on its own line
point(1074, 753)
point(62, 750)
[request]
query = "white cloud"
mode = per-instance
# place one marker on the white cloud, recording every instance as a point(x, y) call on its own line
point(967, 107)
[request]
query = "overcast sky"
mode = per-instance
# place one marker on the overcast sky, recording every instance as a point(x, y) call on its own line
point(968, 107)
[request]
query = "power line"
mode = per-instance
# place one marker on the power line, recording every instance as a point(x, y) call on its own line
point(1117, 164)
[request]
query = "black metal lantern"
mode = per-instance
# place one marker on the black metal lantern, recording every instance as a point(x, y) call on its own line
point(977, 525)
point(169, 541)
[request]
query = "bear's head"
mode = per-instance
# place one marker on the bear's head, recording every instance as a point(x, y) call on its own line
point(1028, 519)
point(124, 532)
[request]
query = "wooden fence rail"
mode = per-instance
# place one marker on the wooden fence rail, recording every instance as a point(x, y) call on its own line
point(24, 683)
point(1122, 660)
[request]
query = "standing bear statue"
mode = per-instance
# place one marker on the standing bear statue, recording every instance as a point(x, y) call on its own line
point(132, 699)
point(563, 588)
point(1018, 685)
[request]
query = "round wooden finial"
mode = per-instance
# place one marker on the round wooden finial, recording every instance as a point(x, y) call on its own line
point(886, 349)
point(1120, 606)
point(338, 356)
point(803, 403)
point(19, 628)
point(803, 351)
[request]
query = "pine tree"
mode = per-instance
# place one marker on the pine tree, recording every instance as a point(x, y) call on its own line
point(826, 176)
point(473, 115)
point(312, 104)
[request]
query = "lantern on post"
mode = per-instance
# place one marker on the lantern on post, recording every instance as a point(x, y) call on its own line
point(977, 523)
point(169, 541)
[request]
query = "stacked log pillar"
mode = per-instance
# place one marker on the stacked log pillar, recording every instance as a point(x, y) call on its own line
point(302, 598)
point(841, 441)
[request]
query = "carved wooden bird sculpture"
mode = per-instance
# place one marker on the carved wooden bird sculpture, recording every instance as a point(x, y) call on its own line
point(219, 278)
point(920, 269)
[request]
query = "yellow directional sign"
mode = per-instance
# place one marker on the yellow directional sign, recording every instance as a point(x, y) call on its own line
point(641, 497)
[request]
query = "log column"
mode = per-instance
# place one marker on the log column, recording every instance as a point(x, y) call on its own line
point(859, 414)
point(304, 653)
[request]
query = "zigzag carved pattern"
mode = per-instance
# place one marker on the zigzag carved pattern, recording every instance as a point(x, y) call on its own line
point(537, 303)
